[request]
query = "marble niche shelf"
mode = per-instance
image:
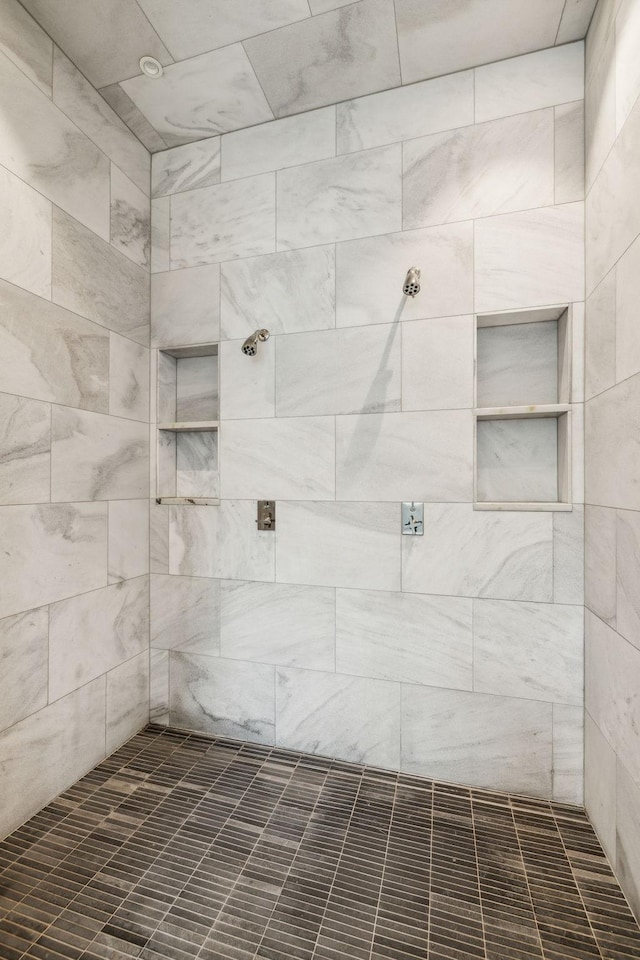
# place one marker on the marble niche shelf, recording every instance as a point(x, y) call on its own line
point(523, 410)
point(187, 427)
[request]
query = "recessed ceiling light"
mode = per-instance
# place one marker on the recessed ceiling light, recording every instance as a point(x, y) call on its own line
point(151, 67)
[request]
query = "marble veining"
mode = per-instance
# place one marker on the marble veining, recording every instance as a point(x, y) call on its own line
point(23, 660)
point(517, 460)
point(221, 542)
point(26, 44)
point(128, 378)
point(130, 219)
point(197, 464)
point(517, 364)
point(25, 244)
point(185, 614)
point(186, 168)
point(197, 388)
point(25, 455)
point(185, 306)
point(128, 539)
point(127, 700)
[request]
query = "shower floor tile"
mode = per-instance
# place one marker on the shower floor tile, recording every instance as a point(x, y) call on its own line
point(183, 847)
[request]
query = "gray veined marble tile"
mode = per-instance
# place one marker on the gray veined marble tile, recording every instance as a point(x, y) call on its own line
point(279, 143)
point(600, 785)
point(517, 460)
point(94, 457)
point(628, 834)
point(612, 427)
point(25, 244)
point(185, 306)
point(322, 6)
point(438, 363)
point(51, 551)
point(600, 337)
point(197, 388)
point(127, 700)
point(197, 464)
point(223, 697)
point(128, 379)
point(627, 79)
point(93, 279)
point(517, 364)
point(160, 234)
point(26, 43)
point(349, 718)
point(355, 195)
point(128, 539)
point(568, 556)
point(159, 686)
point(25, 455)
point(600, 89)
point(25, 669)
point(341, 54)
point(185, 614)
point(628, 575)
point(287, 625)
point(186, 168)
point(223, 222)
point(247, 390)
point(405, 637)
point(569, 152)
point(134, 119)
point(158, 538)
point(130, 219)
point(600, 568)
point(627, 335)
point(568, 753)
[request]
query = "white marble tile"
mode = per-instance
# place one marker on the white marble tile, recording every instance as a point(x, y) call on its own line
point(160, 234)
point(405, 113)
point(568, 556)
point(128, 379)
point(158, 538)
point(628, 835)
point(600, 89)
point(134, 119)
point(281, 143)
point(339, 544)
point(612, 428)
point(471, 553)
point(577, 452)
point(224, 697)
point(296, 624)
point(127, 700)
point(541, 79)
point(569, 152)
point(600, 568)
point(48, 751)
point(349, 718)
point(220, 542)
point(290, 458)
point(530, 259)
point(128, 539)
point(576, 17)
point(185, 306)
point(576, 368)
point(50, 551)
point(628, 575)
point(25, 669)
point(197, 464)
point(479, 171)
point(197, 388)
point(405, 456)
point(26, 43)
point(627, 332)
point(201, 97)
point(223, 222)
point(339, 371)
point(185, 614)
point(344, 53)
point(437, 363)
point(531, 651)
point(352, 196)
point(93, 279)
point(517, 364)
point(25, 245)
point(600, 337)
point(94, 457)
point(517, 460)
point(94, 632)
point(130, 219)
point(600, 786)
point(186, 168)
point(568, 753)
point(247, 384)
point(405, 637)
point(50, 153)
point(25, 455)
point(289, 292)
point(159, 686)
point(497, 742)
point(627, 69)
point(322, 6)
point(370, 275)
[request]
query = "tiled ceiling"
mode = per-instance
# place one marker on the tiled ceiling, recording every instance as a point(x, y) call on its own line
point(234, 63)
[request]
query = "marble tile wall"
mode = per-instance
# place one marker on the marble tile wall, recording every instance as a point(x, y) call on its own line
point(458, 654)
point(612, 437)
point(74, 415)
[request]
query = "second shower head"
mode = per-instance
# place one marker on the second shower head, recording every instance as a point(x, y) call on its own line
point(250, 346)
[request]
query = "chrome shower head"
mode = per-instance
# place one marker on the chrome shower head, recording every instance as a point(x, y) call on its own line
point(250, 346)
point(411, 284)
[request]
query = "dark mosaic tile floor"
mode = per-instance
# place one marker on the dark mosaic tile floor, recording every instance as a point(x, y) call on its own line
point(181, 847)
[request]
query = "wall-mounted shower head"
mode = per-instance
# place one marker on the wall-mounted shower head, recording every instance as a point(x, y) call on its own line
point(250, 346)
point(411, 285)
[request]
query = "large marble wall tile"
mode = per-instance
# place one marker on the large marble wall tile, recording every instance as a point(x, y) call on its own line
point(453, 175)
point(185, 306)
point(230, 220)
point(405, 112)
point(600, 566)
point(93, 279)
point(517, 364)
point(627, 333)
point(50, 551)
point(26, 43)
point(50, 153)
point(197, 464)
point(185, 614)
point(25, 671)
point(486, 741)
point(406, 637)
point(322, 6)
point(49, 750)
point(160, 234)
point(127, 700)
point(224, 697)
point(25, 243)
point(437, 363)
point(613, 430)
point(541, 79)
point(356, 195)
point(628, 576)
point(134, 119)
point(339, 371)
point(221, 542)
point(628, 835)
point(287, 625)
point(287, 292)
point(568, 556)
point(600, 785)
point(247, 384)
point(339, 544)
point(130, 218)
point(128, 379)
point(25, 454)
point(405, 456)
point(370, 274)
point(128, 539)
point(471, 553)
point(627, 69)
point(568, 754)
point(94, 457)
point(291, 458)
point(359, 54)
point(600, 337)
point(203, 96)
point(569, 152)
point(528, 650)
point(186, 168)
point(530, 259)
point(349, 718)
point(197, 388)
point(600, 89)
point(94, 632)
point(517, 460)
point(281, 143)
point(158, 538)
point(159, 686)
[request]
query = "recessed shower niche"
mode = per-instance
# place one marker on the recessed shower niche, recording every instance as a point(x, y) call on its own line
point(523, 410)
